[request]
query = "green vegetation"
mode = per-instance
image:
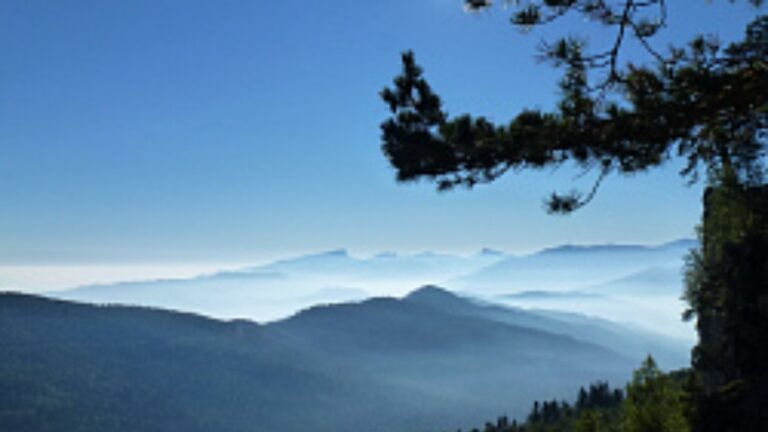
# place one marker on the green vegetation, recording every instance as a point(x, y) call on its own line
point(654, 402)
point(727, 288)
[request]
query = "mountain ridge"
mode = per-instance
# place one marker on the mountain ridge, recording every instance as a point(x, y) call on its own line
point(405, 366)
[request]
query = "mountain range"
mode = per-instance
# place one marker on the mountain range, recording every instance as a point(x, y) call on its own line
point(568, 268)
point(607, 277)
point(279, 289)
point(431, 360)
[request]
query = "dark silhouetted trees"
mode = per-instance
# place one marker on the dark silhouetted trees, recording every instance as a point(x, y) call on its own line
point(595, 405)
point(704, 103)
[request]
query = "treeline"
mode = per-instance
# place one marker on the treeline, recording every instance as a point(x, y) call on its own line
point(653, 401)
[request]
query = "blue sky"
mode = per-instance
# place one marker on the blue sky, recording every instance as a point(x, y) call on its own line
point(171, 130)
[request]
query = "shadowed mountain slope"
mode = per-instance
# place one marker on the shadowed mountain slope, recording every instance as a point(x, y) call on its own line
point(631, 342)
point(378, 365)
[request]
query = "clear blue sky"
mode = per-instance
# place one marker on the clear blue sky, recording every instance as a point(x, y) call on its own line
point(171, 130)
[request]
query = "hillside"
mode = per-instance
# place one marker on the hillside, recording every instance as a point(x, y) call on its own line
point(632, 342)
point(378, 365)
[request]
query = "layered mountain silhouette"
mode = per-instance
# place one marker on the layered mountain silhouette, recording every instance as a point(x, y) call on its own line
point(630, 341)
point(573, 268)
point(279, 289)
point(653, 281)
point(429, 361)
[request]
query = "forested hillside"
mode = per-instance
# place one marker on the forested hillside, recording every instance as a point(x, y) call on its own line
point(379, 365)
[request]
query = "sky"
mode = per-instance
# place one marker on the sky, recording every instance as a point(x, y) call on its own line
point(156, 131)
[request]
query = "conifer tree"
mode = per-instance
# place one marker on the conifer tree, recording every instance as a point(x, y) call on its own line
point(588, 421)
point(654, 403)
point(704, 103)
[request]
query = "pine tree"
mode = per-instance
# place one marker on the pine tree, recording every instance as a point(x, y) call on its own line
point(588, 421)
point(704, 103)
point(654, 403)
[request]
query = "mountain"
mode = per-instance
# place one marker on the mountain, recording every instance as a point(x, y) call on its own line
point(653, 281)
point(545, 295)
point(569, 268)
point(259, 295)
point(631, 342)
point(279, 289)
point(656, 314)
point(620, 277)
point(340, 267)
point(490, 252)
point(377, 365)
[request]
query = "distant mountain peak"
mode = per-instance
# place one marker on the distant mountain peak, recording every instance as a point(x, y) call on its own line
point(683, 243)
point(385, 255)
point(336, 253)
point(607, 247)
point(333, 253)
point(427, 254)
point(618, 247)
point(544, 294)
point(561, 249)
point(430, 293)
point(486, 251)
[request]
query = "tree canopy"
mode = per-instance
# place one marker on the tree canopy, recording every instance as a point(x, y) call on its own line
point(702, 102)
point(654, 402)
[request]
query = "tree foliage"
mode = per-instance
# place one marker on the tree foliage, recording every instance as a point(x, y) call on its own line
point(654, 402)
point(597, 408)
point(589, 421)
point(727, 289)
point(703, 102)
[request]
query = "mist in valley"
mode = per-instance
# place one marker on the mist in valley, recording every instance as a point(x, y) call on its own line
point(633, 285)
